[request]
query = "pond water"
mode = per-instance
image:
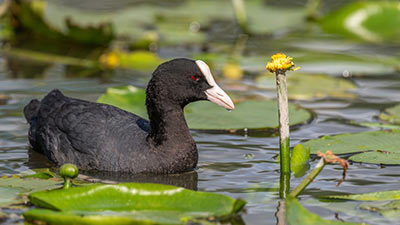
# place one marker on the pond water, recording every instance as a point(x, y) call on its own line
point(239, 165)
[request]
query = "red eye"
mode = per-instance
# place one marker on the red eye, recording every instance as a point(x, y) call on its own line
point(195, 77)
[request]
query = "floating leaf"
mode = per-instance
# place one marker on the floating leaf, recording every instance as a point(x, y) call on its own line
point(249, 114)
point(41, 173)
point(377, 157)
point(11, 188)
point(298, 161)
point(296, 214)
point(380, 125)
point(312, 86)
point(373, 196)
point(9, 195)
point(129, 203)
point(390, 210)
point(384, 146)
point(356, 142)
point(391, 115)
point(29, 15)
point(368, 20)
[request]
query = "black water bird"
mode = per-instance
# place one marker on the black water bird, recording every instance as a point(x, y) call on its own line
point(101, 137)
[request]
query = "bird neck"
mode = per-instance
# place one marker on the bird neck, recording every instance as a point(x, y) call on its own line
point(167, 121)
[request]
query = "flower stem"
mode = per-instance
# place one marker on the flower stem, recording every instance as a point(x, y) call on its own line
point(283, 113)
point(67, 183)
point(306, 181)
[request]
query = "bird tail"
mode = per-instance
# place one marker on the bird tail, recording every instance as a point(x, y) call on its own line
point(31, 110)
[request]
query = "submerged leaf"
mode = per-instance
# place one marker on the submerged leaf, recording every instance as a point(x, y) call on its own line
point(129, 203)
point(249, 114)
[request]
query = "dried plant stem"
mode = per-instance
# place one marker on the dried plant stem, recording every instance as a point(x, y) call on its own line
point(306, 181)
point(283, 113)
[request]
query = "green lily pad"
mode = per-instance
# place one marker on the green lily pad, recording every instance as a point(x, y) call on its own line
point(380, 125)
point(42, 173)
point(29, 15)
point(296, 214)
point(382, 146)
point(368, 20)
point(311, 86)
point(377, 157)
point(201, 115)
point(373, 196)
point(9, 195)
point(385, 141)
point(391, 115)
point(12, 187)
point(389, 210)
point(374, 21)
point(129, 203)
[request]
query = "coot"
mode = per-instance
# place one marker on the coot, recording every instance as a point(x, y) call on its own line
point(97, 136)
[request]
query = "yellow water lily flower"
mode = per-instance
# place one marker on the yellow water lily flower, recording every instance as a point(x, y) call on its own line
point(281, 62)
point(109, 60)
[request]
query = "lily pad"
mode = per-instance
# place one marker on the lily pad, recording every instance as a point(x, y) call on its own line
point(389, 210)
point(377, 157)
point(202, 115)
point(12, 187)
point(129, 203)
point(29, 15)
point(373, 196)
point(296, 214)
point(391, 115)
point(378, 142)
point(374, 21)
point(311, 86)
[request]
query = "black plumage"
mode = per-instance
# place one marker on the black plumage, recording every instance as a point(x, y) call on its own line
point(97, 136)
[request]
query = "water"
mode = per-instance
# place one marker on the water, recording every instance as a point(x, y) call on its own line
point(239, 165)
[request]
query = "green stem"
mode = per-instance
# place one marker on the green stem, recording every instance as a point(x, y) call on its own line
point(67, 183)
point(284, 185)
point(318, 168)
point(284, 141)
point(240, 14)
